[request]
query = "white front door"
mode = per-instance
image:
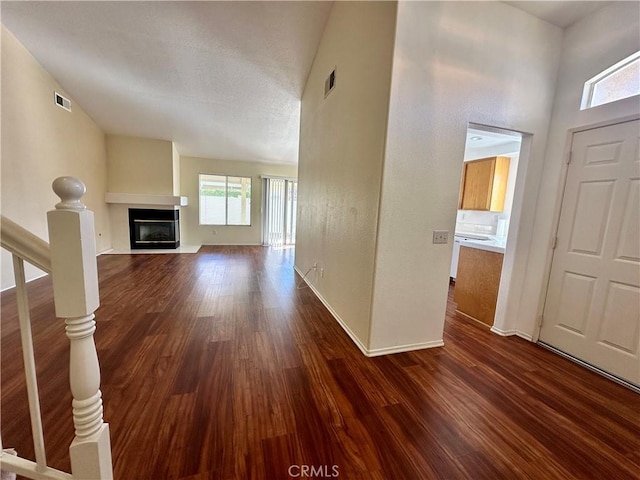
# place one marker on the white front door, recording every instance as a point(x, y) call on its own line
point(593, 302)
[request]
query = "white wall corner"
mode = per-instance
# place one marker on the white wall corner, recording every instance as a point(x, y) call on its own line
point(376, 352)
point(335, 315)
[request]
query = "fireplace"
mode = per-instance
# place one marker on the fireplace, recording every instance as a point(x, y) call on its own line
point(154, 228)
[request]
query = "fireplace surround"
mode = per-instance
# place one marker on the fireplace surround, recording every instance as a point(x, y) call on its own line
point(150, 228)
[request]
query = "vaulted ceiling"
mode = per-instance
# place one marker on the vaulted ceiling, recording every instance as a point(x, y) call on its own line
point(220, 79)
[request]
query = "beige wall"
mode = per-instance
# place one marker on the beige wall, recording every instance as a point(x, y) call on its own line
point(139, 165)
point(341, 152)
point(590, 46)
point(454, 63)
point(41, 141)
point(195, 234)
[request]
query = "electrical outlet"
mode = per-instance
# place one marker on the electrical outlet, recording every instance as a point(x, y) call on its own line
point(322, 273)
point(440, 236)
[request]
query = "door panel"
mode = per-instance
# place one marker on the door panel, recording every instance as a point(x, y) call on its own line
point(629, 245)
point(576, 295)
point(592, 309)
point(619, 328)
point(590, 220)
point(603, 153)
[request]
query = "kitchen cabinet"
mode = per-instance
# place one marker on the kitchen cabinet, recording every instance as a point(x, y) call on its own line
point(484, 184)
point(477, 283)
point(479, 241)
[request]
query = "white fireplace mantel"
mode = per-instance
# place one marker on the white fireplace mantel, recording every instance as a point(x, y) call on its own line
point(143, 199)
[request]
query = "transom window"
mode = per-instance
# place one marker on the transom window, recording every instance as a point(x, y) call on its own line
point(619, 81)
point(225, 200)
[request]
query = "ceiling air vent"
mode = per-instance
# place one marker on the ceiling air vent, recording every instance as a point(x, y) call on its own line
point(62, 101)
point(329, 83)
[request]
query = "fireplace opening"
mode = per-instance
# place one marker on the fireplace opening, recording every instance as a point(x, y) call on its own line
point(154, 228)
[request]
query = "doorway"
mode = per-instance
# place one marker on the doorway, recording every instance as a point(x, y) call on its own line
point(280, 200)
point(485, 212)
point(592, 309)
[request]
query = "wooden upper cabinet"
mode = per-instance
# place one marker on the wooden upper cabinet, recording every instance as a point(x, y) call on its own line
point(484, 184)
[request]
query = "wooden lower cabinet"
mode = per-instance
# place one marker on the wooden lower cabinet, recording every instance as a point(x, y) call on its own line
point(477, 283)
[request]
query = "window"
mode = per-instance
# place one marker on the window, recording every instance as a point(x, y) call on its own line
point(620, 81)
point(225, 200)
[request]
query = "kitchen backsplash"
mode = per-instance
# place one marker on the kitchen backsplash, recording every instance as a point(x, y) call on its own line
point(484, 223)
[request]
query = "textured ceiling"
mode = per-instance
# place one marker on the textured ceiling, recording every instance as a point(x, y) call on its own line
point(221, 79)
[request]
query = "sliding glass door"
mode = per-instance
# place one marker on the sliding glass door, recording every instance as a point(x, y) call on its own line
point(280, 197)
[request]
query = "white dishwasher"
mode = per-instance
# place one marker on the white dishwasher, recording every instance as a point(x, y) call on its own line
point(454, 257)
point(456, 250)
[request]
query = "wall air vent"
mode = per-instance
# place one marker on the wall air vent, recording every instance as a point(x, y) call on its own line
point(62, 101)
point(329, 83)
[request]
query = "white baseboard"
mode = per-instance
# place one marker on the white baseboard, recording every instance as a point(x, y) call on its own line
point(153, 251)
point(365, 351)
point(233, 244)
point(404, 348)
point(503, 333)
point(510, 333)
point(44, 274)
point(526, 336)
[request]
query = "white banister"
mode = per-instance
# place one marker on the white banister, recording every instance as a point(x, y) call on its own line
point(29, 363)
point(26, 468)
point(24, 244)
point(75, 290)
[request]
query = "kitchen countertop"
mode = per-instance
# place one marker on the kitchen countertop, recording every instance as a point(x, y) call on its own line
point(493, 244)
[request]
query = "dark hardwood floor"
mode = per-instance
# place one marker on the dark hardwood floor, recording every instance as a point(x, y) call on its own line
point(214, 366)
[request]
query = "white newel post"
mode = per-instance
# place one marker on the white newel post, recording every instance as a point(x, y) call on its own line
point(75, 289)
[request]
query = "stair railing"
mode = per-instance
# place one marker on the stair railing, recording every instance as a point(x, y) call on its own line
point(70, 258)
